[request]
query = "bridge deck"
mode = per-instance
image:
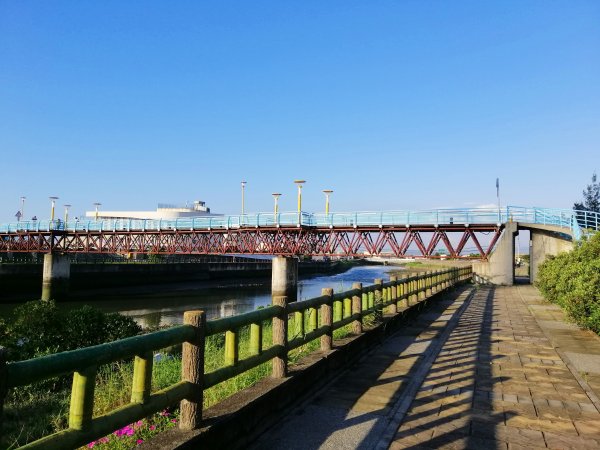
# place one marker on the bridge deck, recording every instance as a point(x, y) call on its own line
point(482, 368)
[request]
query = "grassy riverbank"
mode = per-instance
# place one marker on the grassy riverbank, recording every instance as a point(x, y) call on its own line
point(34, 411)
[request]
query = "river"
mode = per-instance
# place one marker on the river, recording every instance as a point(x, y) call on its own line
point(165, 304)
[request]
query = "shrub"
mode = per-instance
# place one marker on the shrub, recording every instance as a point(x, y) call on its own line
point(572, 281)
point(39, 327)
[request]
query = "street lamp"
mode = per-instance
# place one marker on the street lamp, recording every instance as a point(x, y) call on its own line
point(67, 213)
point(327, 193)
point(243, 189)
point(299, 183)
point(498, 197)
point(53, 202)
point(22, 207)
point(276, 208)
point(96, 205)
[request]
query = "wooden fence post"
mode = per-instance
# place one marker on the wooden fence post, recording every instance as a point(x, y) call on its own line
point(82, 399)
point(357, 308)
point(256, 337)
point(327, 320)
point(393, 308)
point(192, 371)
point(142, 378)
point(280, 332)
point(378, 301)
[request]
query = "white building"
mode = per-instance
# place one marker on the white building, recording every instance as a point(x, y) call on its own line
point(164, 211)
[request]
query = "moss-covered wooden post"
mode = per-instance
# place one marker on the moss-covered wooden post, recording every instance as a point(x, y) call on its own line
point(347, 307)
point(327, 320)
point(313, 319)
point(299, 323)
point(231, 347)
point(280, 332)
point(393, 308)
point(428, 283)
point(192, 371)
point(3, 383)
point(378, 300)
point(142, 378)
point(82, 399)
point(337, 311)
point(357, 308)
point(414, 288)
point(256, 338)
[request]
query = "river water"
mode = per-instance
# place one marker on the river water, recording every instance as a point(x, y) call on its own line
point(165, 304)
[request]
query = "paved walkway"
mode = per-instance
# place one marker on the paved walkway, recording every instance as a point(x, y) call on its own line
point(482, 368)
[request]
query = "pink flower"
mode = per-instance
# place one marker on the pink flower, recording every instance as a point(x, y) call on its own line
point(139, 423)
point(139, 441)
point(152, 427)
point(104, 440)
point(91, 444)
point(174, 420)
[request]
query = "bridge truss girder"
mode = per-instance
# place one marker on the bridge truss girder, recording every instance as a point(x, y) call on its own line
point(394, 241)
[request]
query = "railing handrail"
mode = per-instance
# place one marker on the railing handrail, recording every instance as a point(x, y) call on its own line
point(334, 313)
point(567, 218)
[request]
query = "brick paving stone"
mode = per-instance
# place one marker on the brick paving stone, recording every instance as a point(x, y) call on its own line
point(523, 393)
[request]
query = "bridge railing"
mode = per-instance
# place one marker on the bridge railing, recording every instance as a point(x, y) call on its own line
point(548, 216)
point(292, 325)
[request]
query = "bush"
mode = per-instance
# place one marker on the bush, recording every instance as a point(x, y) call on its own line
point(39, 327)
point(572, 281)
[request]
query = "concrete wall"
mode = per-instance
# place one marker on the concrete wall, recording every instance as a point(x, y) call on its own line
point(543, 244)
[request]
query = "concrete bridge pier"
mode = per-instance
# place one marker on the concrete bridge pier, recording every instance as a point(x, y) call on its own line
point(499, 268)
point(284, 280)
point(56, 275)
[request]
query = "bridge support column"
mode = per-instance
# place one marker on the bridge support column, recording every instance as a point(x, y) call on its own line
point(499, 268)
point(284, 280)
point(544, 244)
point(57, 271)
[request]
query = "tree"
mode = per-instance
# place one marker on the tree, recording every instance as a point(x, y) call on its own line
point(591, 202)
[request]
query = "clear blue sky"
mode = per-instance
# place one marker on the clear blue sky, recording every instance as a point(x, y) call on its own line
point(393, 104)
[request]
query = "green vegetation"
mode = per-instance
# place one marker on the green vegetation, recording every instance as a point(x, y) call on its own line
point(572, 280)
point(39, 328)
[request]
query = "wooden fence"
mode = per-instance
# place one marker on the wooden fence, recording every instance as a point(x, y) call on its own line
point(314, 318)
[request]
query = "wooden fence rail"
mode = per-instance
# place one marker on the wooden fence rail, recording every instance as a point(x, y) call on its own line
point(315, 318)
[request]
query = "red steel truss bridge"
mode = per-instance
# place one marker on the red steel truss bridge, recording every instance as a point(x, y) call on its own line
point(423, 234)
point(454, 233)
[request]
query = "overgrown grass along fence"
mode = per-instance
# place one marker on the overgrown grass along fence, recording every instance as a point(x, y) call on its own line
point(314, 318)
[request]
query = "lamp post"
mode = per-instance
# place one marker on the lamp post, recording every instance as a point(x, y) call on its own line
point(22, 207)
point(327, 193)
point(498, 197)
point(97, 204)
point(243, 192)
point(53, 203)
point(299, 183)
point(276, 207)
point(67, 213)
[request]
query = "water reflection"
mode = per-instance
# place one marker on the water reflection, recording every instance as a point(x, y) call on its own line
point(165, 304)
point(168, 308)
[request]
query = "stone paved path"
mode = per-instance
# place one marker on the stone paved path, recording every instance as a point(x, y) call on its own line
point(499, 383)
point(493, 367)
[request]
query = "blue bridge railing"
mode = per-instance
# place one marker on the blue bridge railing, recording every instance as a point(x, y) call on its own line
point(576, 221)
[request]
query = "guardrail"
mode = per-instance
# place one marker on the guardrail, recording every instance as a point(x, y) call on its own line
point(312, 319)
point(548, 216)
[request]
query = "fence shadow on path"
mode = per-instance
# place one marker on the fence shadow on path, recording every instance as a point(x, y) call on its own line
point(355, 409)
point(455, 405)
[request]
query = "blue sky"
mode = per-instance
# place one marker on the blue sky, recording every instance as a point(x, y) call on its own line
point(392, 104)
